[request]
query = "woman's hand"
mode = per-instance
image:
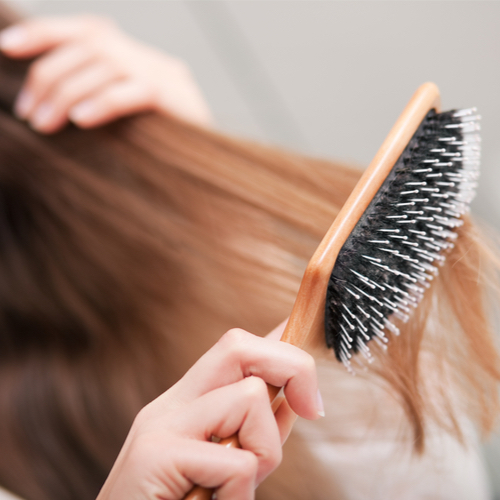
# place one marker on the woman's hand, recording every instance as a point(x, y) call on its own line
point(169, 447)
point(91, 73)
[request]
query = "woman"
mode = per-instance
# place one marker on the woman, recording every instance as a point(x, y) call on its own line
point(126, 243)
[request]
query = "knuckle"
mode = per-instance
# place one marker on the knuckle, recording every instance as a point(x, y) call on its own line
point(66, 94)
point(112, 99)
point(233, 340)
point(306, 364)
point(105, 62)
point(39, 73)
point(255, 390)
point(271, 457)
point(247, 464)
point(236, 335)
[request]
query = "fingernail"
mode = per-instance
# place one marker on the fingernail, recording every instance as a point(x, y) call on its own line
point(23, 104)
point(43, 116)
point(319, 404)
point(83, 111)
point(12, 38)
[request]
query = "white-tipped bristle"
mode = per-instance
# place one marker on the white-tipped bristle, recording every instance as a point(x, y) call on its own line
point(397, 247)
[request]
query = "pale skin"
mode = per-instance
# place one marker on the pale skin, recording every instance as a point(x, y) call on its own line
point(168, 448)
point(90, 73)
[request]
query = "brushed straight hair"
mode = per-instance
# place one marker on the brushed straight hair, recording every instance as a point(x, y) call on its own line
point(128, 250)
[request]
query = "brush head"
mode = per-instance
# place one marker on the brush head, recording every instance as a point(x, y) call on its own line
point(398, 244)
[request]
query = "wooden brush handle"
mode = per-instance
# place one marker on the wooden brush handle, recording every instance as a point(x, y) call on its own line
point(200, 493)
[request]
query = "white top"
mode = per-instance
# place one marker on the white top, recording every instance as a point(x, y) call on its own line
point(365, 444)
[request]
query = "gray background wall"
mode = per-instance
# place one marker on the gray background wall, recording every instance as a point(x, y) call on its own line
point(328, 77)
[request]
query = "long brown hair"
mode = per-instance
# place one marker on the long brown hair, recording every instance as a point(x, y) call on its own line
point(126, 251)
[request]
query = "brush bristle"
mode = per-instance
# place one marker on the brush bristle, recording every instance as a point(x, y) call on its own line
point(395, 249)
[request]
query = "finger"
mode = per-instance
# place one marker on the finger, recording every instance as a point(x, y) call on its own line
point(119, 99)
point(232, 471)
point(35, 36)
point(46, 73)
point(53, 112)
point(242, 407)
point(240, 354)
point(168, 469)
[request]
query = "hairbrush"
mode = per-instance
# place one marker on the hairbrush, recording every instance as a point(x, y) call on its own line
point(393, 232)
point(390, 237)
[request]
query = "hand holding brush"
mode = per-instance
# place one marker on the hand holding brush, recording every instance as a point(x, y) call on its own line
point(386, 245)
point(169, 446)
